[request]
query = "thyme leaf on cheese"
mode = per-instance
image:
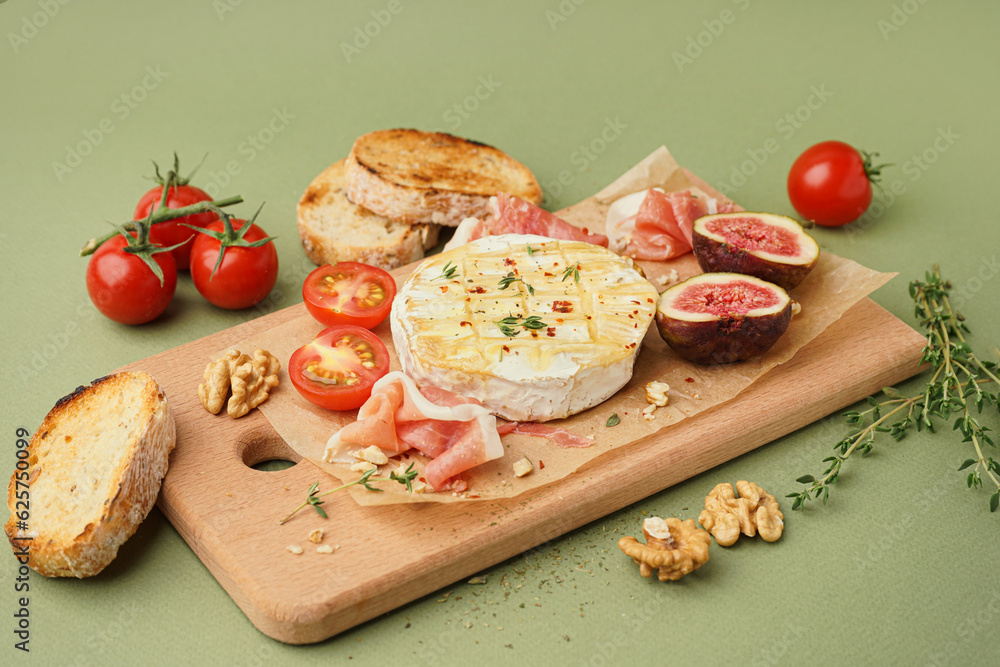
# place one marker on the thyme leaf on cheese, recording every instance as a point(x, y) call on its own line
point(960, 386)
point(448, 272)
point(573, 270)
point(313, 498)
point(508, 324)
point(512, 278)
point(531, 251)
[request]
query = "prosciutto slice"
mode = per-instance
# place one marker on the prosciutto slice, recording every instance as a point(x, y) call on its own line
point(512, 215)
point(656, 225)
point(458, 433)
point(558, 435)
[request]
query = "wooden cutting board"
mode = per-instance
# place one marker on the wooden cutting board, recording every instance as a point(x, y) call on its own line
point(389, 555)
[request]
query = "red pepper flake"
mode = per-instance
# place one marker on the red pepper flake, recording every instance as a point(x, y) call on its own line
point(562, 307)
point(547, 274)
point(689, 379)
point(630, 317)
point(649, 301)
point(635, 302)
point(550, 332)
point(559, 320)
point(506, 349)
point(507, 261)
point(473, 496)
point(444, 288)
point(464, 323)
point(589, 317)
point(422, 479)
point(478, 289)
point(635, 312)
point(541, 464)
point(630, 347)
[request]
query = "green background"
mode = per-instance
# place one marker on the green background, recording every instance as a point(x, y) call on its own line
point(900, 566)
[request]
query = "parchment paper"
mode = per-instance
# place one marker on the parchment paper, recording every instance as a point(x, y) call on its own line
point(833, 286)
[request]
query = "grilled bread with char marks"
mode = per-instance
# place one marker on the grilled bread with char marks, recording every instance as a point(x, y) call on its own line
point(420, 177)
point(332, 229)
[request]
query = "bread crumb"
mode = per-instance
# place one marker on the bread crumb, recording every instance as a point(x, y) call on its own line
point(316, 536)
point(294, 548)
point(522, 467)
point(324, 549)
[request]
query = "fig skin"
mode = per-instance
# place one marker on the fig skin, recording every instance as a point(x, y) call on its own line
point(725, 339)
point(718, 256)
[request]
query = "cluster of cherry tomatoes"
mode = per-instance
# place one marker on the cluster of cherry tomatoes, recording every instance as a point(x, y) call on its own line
point(131, 277)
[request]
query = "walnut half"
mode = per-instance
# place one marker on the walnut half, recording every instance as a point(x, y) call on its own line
point(755, 511)
point(250, 380)
point(673, 548)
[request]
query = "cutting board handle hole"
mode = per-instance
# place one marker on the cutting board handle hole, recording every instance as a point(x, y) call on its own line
point(266, 452)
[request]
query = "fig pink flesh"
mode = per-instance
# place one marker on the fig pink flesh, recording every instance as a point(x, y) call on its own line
point(748, 233)
point(729, 298)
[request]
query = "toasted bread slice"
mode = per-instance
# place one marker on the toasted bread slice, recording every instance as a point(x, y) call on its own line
point(333, 229)
point(93, 472)
point(415, 176)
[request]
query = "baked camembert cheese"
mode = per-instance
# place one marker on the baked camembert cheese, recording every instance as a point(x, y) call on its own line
point(535, 328)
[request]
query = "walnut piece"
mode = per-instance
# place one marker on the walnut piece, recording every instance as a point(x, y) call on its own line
point(251, 382)
point(249, 379)
point(755, 510)
point(214, 389)
point(656, 393)
point(673, 548)
point(522, 467)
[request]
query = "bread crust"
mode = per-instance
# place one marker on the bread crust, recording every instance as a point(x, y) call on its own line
point(332, 229)
point(131, 480)
point(416, 177)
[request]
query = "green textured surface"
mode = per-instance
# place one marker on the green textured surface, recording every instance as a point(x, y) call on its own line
point(899, 568)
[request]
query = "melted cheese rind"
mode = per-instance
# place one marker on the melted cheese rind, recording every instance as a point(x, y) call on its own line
point(445, 330)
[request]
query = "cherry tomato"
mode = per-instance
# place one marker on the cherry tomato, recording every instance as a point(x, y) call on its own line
point(124, 288)
point(173, 232)
point(337, 370)
point(831, 183)
point(245, 276)
point(349, 293)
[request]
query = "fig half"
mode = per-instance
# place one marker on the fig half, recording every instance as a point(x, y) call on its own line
point(722, 317)
point(770, 247)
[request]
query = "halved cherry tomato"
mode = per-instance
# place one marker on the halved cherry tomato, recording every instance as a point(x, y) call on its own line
point(337, 370)
point(349, 293)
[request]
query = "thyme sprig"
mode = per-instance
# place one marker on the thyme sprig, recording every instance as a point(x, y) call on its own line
point(508, 324)
point(959, 382)
point(313, 496)
point(447, 273)
point(572, 270)
point(512, 278)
